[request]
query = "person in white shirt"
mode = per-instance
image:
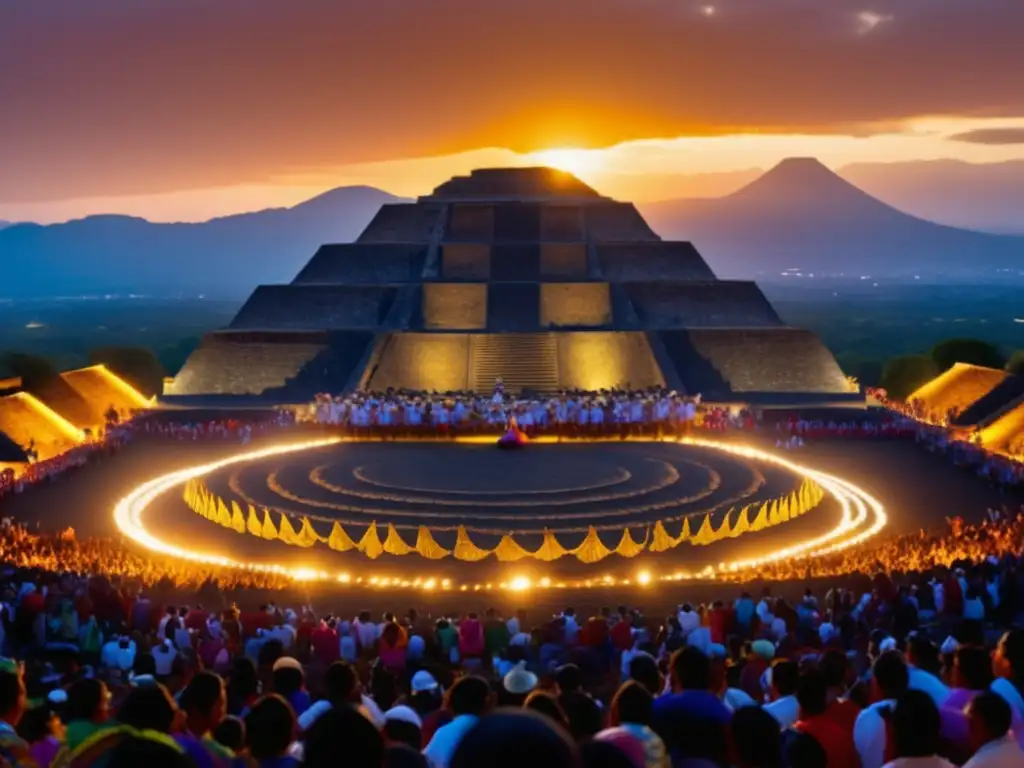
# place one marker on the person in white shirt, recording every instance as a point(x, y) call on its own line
point(915, 733)
point(119, 654)
point(468, 700)
point(889, 681)
point(365, 631)
point(989, 719)
point(163, 658)
point(784, 706)
point(689, 619)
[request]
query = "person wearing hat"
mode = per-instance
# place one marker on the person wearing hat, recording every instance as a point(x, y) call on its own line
point(290, 683)
point(402, 725)
point(517, 685)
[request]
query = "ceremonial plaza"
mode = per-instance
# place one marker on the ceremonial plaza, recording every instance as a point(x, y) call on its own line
point(641, 398)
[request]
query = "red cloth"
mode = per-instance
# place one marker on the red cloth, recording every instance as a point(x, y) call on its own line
point(471, 638)
point(622, 636)
point(594, 633)
point(325, 644)
point(837, 742)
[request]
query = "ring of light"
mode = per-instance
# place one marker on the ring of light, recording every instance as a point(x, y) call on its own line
point(854, 503)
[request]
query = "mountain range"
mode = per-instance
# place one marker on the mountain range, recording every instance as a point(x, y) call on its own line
point(798, 216)
point(225, 256)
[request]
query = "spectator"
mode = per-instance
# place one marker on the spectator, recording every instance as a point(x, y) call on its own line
point(545, 704)
point(584, 715)
point(691, 720)
point(994, 746)
point(343, 736)
point(915, 733)
point(87, 711)
point(631, 710)
point(784, 706)
point(756, 739)
point(468, 700)
point(513, 739)
point(834, 736)
point(269, 730)
point(889, 680)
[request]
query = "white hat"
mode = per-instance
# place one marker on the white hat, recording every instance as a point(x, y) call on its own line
point(287, 662)
point(520, 680)
point(403, 714)
point(423, 681)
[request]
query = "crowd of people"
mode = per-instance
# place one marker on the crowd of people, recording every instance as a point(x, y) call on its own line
point(907, 660)
point(36, 473)
point(569, 413)
point(233, 430)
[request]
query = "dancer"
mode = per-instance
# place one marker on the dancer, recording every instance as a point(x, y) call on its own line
point(513, 437)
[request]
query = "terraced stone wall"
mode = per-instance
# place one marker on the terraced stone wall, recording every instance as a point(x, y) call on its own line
point(466, 261)
point(314, 307)
point(454, 306)
point(604, 359)
point(717, 304)
point(364, 263)
point(423, 361)
point(563, 260)
point(575, 304)
point(402, 223)
point(651, 261)
point(468, 221)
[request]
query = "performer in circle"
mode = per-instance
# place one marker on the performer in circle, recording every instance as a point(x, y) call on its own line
point(514, 437)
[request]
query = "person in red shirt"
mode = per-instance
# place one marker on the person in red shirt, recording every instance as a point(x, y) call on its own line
point(195, 619)
point(622, 633)
point(594, 633)
point(812, 695)
point(719, 620)
point(324, 639)
point(836, 670)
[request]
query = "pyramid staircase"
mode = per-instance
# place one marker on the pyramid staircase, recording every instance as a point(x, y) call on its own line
point(522, 360)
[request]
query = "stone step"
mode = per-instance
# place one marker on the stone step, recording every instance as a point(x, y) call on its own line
point(522, 360)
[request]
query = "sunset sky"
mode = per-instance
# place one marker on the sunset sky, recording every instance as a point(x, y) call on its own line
point(190, 109)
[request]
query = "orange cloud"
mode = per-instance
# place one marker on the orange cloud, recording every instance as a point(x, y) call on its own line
point(107, 97)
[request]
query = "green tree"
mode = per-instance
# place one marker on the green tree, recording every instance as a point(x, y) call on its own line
point(35, 372)
point(902, 375)
point(974, 351)
point(1016, 363)
point(136, 365)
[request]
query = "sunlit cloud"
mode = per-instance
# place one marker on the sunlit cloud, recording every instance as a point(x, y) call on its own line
point(868, 21)
point(995, 136)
